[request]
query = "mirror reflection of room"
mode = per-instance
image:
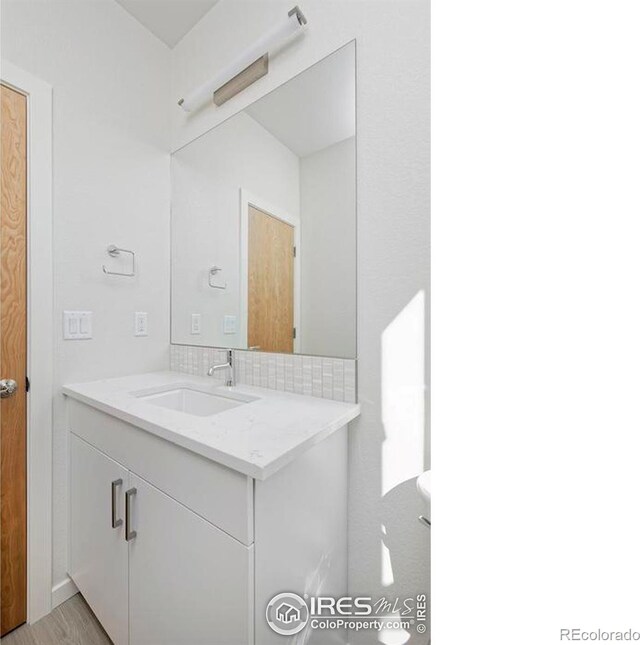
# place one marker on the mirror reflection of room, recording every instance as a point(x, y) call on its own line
point(264, 221)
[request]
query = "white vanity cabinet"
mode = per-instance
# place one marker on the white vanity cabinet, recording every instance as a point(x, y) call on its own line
point(163, 544)
point(176, 579)
point(99, 554)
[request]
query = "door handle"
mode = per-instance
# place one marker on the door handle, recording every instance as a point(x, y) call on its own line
point(115, 521)
point(8, 387)
point(128, 533)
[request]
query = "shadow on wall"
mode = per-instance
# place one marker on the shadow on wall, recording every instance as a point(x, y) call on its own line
point(402, 563)
point(404, 558)
point(389, 547)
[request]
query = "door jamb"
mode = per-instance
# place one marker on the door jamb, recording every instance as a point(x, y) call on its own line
point(40, 335)
point(248, 199)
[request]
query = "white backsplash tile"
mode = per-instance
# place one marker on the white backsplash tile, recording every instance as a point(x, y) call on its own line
point(316, 377)
point(264, 370)
point(288, 373)
point(273, 376)
point(350, 384)
point(338, 379)
point(279, 363)
point(255, 370)
point(328, 378)
point(307, 375)
point(297, 374)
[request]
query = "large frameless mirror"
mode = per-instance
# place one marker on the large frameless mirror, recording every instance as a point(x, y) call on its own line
point(263, 221)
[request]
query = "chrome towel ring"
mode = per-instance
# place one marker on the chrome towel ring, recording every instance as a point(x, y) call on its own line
point(212, 274)
point(114, 251)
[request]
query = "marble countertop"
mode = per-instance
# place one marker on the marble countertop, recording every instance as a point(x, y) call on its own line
point(256, 438)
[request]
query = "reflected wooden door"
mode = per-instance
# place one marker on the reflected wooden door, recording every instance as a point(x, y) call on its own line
point(271, 252)
point(13, 360)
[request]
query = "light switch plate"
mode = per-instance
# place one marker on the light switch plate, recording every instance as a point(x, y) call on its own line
point(77, 325)
point(229, 325)
point(196, 323)
point(141, 328)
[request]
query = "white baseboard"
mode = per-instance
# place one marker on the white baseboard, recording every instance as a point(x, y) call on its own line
point(63, 591)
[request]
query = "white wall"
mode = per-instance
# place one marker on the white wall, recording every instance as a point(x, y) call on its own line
point(388, 447)
point(111, 181)
point(206, 179)
point(328, 260)
point(111, 185)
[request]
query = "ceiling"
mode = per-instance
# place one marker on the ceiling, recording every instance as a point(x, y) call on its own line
point(169, 20)
point(314, 109)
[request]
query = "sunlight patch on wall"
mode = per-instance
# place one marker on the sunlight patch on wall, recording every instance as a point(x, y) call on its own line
point(403, 395)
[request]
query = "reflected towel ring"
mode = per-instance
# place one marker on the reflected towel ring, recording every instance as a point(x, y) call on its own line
point(212, 274)
point(114, 251)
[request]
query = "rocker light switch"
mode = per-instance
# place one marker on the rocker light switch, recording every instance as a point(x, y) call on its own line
point(78, 325)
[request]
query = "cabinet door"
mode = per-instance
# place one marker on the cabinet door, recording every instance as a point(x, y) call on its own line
point(189, 582)
point(99, 553)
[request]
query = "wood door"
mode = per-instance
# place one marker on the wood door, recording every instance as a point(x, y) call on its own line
point(271, 253)
point(189, 582)
point(99, 562)
point(13, 360)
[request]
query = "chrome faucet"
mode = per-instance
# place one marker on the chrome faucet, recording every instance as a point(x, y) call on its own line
point(231, 381)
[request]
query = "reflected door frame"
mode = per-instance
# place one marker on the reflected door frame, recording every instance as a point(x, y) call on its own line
point(40, 336)
point(249, 199)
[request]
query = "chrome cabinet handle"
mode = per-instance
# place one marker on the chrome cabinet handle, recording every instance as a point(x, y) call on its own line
point(424, 520)
point(128, 533)
point(8, 387)
point(115, 521)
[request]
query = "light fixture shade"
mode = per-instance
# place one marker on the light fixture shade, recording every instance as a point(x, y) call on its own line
point(294, 21)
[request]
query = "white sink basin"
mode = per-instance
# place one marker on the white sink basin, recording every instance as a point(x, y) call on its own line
point(196, 402)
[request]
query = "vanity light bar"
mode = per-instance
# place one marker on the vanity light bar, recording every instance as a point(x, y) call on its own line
point(282, 31)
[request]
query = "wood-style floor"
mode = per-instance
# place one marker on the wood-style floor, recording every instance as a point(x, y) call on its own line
point(71, 623)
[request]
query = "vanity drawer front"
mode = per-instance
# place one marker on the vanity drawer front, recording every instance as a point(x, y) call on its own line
point(220, 495)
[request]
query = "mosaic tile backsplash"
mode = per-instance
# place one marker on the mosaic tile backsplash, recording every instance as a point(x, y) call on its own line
point(327, 378)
